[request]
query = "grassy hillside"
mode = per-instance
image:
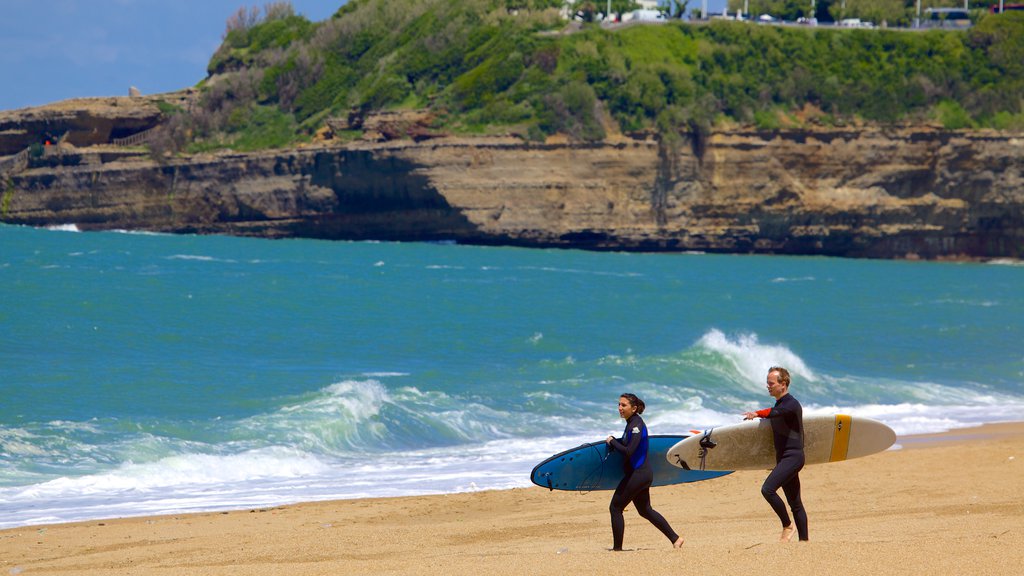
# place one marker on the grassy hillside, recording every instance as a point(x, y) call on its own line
point(480, 68)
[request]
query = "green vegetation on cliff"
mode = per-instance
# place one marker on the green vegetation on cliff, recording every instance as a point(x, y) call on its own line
point(479, 66)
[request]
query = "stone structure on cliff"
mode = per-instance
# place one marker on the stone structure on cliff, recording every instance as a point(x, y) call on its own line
point(868, 192)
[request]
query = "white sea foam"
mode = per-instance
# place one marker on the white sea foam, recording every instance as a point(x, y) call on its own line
point(583, 272)
point(271, 477)
point(1005, 262)
point(197, 257)
point(141, 232)
point(751, 358)
point(911, 418)
point(966, 302)
point(18, 442)
point(182, 471)
point(692, 416)
point(278, 475)
point(64, 228)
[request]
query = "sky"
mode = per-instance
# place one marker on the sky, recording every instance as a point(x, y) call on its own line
point(52, 50)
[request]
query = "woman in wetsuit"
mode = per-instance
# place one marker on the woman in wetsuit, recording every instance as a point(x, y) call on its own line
point(635, 487)
point(788, 435)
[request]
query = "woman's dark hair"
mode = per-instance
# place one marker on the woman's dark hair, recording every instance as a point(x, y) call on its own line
point(635, 402)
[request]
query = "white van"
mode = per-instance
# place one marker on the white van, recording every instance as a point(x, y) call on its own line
point(855, 23)
point(644, 16)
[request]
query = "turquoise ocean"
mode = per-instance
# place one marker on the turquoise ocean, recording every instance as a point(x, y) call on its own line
point(144, 374)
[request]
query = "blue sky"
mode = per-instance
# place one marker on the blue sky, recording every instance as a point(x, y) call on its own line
point(52, 50)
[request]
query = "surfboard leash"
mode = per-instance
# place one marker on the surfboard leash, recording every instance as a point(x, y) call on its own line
point(585, 485)
point(706, 443)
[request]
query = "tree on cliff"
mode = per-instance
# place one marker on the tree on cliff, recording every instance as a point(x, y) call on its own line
point(675, 8)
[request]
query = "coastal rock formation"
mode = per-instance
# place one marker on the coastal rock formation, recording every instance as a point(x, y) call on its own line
point(84, 121)
point(914, 192)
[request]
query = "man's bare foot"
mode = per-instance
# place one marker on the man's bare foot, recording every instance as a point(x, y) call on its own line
point(678, 543)
point(787, 533)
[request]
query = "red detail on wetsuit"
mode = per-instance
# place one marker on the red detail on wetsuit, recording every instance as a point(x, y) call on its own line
point(763, 413)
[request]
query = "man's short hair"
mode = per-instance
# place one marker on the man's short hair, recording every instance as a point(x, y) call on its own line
point(783, 375)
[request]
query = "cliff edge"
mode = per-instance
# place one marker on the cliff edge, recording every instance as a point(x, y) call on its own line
point(879, 192)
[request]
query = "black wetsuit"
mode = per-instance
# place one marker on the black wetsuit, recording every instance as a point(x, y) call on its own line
point(788, 434)
point(635, 487)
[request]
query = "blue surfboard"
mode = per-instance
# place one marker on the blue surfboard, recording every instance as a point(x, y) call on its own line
point(595, 466)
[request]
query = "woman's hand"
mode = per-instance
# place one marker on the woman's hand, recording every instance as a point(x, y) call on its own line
point(749, 415)
point(609, 440)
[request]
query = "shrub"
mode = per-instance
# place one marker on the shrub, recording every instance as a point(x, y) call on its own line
point(767, 119)
point(1007, 121)
point(573, 111)
point(952, 115)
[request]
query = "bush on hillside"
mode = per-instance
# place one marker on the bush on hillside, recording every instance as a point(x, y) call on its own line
point(479, 63)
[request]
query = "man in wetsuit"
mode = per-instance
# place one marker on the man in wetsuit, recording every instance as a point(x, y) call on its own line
point(788, 435)
point(635, 487)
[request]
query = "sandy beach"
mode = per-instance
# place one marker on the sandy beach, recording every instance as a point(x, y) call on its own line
point(948, 503)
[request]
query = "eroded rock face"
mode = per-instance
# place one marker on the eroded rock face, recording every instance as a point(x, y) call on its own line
point(913, 192)
point(871, 192)
point(84, 121)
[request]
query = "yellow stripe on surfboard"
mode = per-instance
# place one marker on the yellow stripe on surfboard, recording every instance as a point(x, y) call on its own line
point(840, 438)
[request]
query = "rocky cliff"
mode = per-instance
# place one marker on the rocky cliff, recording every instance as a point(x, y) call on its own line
point(869, 192)
point(84, 121)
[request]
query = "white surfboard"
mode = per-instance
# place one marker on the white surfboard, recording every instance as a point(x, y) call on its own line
point(748, 445)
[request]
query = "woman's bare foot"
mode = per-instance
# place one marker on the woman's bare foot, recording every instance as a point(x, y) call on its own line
point(678, 543)
point(787, 533)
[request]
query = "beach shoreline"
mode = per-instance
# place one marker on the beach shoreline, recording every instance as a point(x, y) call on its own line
point(972, 433)
point(949, 501)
